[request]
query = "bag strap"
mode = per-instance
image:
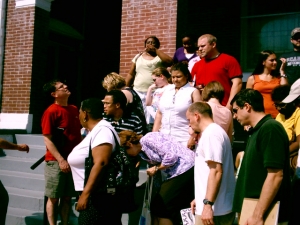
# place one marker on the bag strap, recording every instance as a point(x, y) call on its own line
point(141, 53)
point(90, 150)
point(115, 138)
point(111, 182)
point(148, 191)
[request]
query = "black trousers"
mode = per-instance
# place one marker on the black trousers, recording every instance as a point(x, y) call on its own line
point(3, 203)
point(102, 209)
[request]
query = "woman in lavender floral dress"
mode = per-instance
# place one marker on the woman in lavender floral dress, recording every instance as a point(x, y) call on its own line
point(176, 161)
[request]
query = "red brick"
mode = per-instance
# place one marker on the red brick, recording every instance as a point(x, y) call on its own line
point(139, 20)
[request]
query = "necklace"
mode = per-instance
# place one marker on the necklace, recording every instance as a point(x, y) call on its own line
point(217, 56)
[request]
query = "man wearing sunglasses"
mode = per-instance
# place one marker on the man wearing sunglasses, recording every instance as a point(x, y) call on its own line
point(264, 173)
point(292, 67)
point(292, 101)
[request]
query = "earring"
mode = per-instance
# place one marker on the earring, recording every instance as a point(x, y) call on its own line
point(84, 120)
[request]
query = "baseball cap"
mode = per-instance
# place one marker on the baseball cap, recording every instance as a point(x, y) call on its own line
point(295, 31)
point(294, 92)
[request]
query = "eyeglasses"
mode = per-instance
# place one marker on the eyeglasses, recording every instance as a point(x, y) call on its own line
point(235, 110)
point(280, 105)
point(60, 87)
point(107, 103)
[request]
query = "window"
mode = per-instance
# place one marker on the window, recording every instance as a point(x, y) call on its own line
point(266, 25)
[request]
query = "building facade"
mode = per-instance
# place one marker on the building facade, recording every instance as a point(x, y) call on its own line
point(80, 42)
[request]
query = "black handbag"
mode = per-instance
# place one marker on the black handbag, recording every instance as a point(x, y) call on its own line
point(108, 183)
point(120, 177)
point(120, 173)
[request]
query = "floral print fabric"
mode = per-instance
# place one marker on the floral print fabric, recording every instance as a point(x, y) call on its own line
point(162, 148)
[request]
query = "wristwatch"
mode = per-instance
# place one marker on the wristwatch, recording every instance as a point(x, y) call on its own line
point(283, 75)
point(206, 202)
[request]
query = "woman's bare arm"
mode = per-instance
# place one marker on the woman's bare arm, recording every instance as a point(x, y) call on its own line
point(250, 82)
point(167, 60)
point(157, 121)
point(130, 76)
point(149, 95)
point(101, 155)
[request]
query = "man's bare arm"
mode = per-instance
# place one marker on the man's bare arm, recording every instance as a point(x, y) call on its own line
point(11, 146)
point(63, 164)
point(212, 190)
point(267, 195)
point(235, 88)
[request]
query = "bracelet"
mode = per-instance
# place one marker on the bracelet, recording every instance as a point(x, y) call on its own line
point(283, 75)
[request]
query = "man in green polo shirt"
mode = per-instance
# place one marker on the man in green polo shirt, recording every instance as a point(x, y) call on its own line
point(264, 172)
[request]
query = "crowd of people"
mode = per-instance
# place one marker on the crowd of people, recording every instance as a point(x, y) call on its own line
point(177, 115)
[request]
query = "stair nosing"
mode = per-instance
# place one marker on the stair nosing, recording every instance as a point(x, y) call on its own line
point(22, 174)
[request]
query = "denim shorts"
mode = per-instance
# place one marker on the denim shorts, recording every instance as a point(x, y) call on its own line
point(57, 183)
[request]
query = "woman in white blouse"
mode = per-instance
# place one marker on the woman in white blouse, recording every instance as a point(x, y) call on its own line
point(171, 114)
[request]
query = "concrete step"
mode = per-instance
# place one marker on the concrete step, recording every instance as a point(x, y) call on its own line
point(8, 137)
point(30, 139)
point(142, 177)
point(20, 164)
point(29, 181)
point(35, 152)
point(26, 199)
point(17, 216)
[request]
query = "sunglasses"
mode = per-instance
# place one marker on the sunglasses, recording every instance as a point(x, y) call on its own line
point(296, 37)
point(156, 76)
point(280, 105)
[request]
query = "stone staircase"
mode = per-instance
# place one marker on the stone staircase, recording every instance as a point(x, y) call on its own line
point(25, 186)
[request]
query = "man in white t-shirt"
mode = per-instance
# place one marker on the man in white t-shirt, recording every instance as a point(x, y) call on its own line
point(214, 172)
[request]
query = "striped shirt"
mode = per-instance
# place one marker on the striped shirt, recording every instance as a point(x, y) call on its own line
point(132, 123)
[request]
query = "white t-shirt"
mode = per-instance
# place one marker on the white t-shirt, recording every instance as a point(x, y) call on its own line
point(99, 135)
point(214, 145)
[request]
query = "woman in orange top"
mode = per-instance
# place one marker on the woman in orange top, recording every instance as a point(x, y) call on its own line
point(264, 79)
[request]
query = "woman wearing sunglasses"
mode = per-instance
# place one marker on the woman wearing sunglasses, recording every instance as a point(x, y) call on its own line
point(161, 78)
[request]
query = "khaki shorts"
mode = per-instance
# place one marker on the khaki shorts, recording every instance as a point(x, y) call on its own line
point(57, 183)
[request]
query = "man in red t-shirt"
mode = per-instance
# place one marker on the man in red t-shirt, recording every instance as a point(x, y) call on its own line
point(61, 131)
point(216, 66)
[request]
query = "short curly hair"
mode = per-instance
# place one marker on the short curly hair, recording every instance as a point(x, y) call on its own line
point(128, 137)
point(113, 81)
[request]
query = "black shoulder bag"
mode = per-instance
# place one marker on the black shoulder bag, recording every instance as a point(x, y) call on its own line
point(108, 183)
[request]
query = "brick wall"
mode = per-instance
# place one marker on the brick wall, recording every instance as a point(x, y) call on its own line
point(39, 65)
point(142, 18)
point(17, 59)
point(25, 60)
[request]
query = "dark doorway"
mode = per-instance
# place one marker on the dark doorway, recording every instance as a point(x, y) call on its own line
point(84, 45)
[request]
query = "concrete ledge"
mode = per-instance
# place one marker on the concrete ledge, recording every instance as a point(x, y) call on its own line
point(16, 121)
point(43, 4)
